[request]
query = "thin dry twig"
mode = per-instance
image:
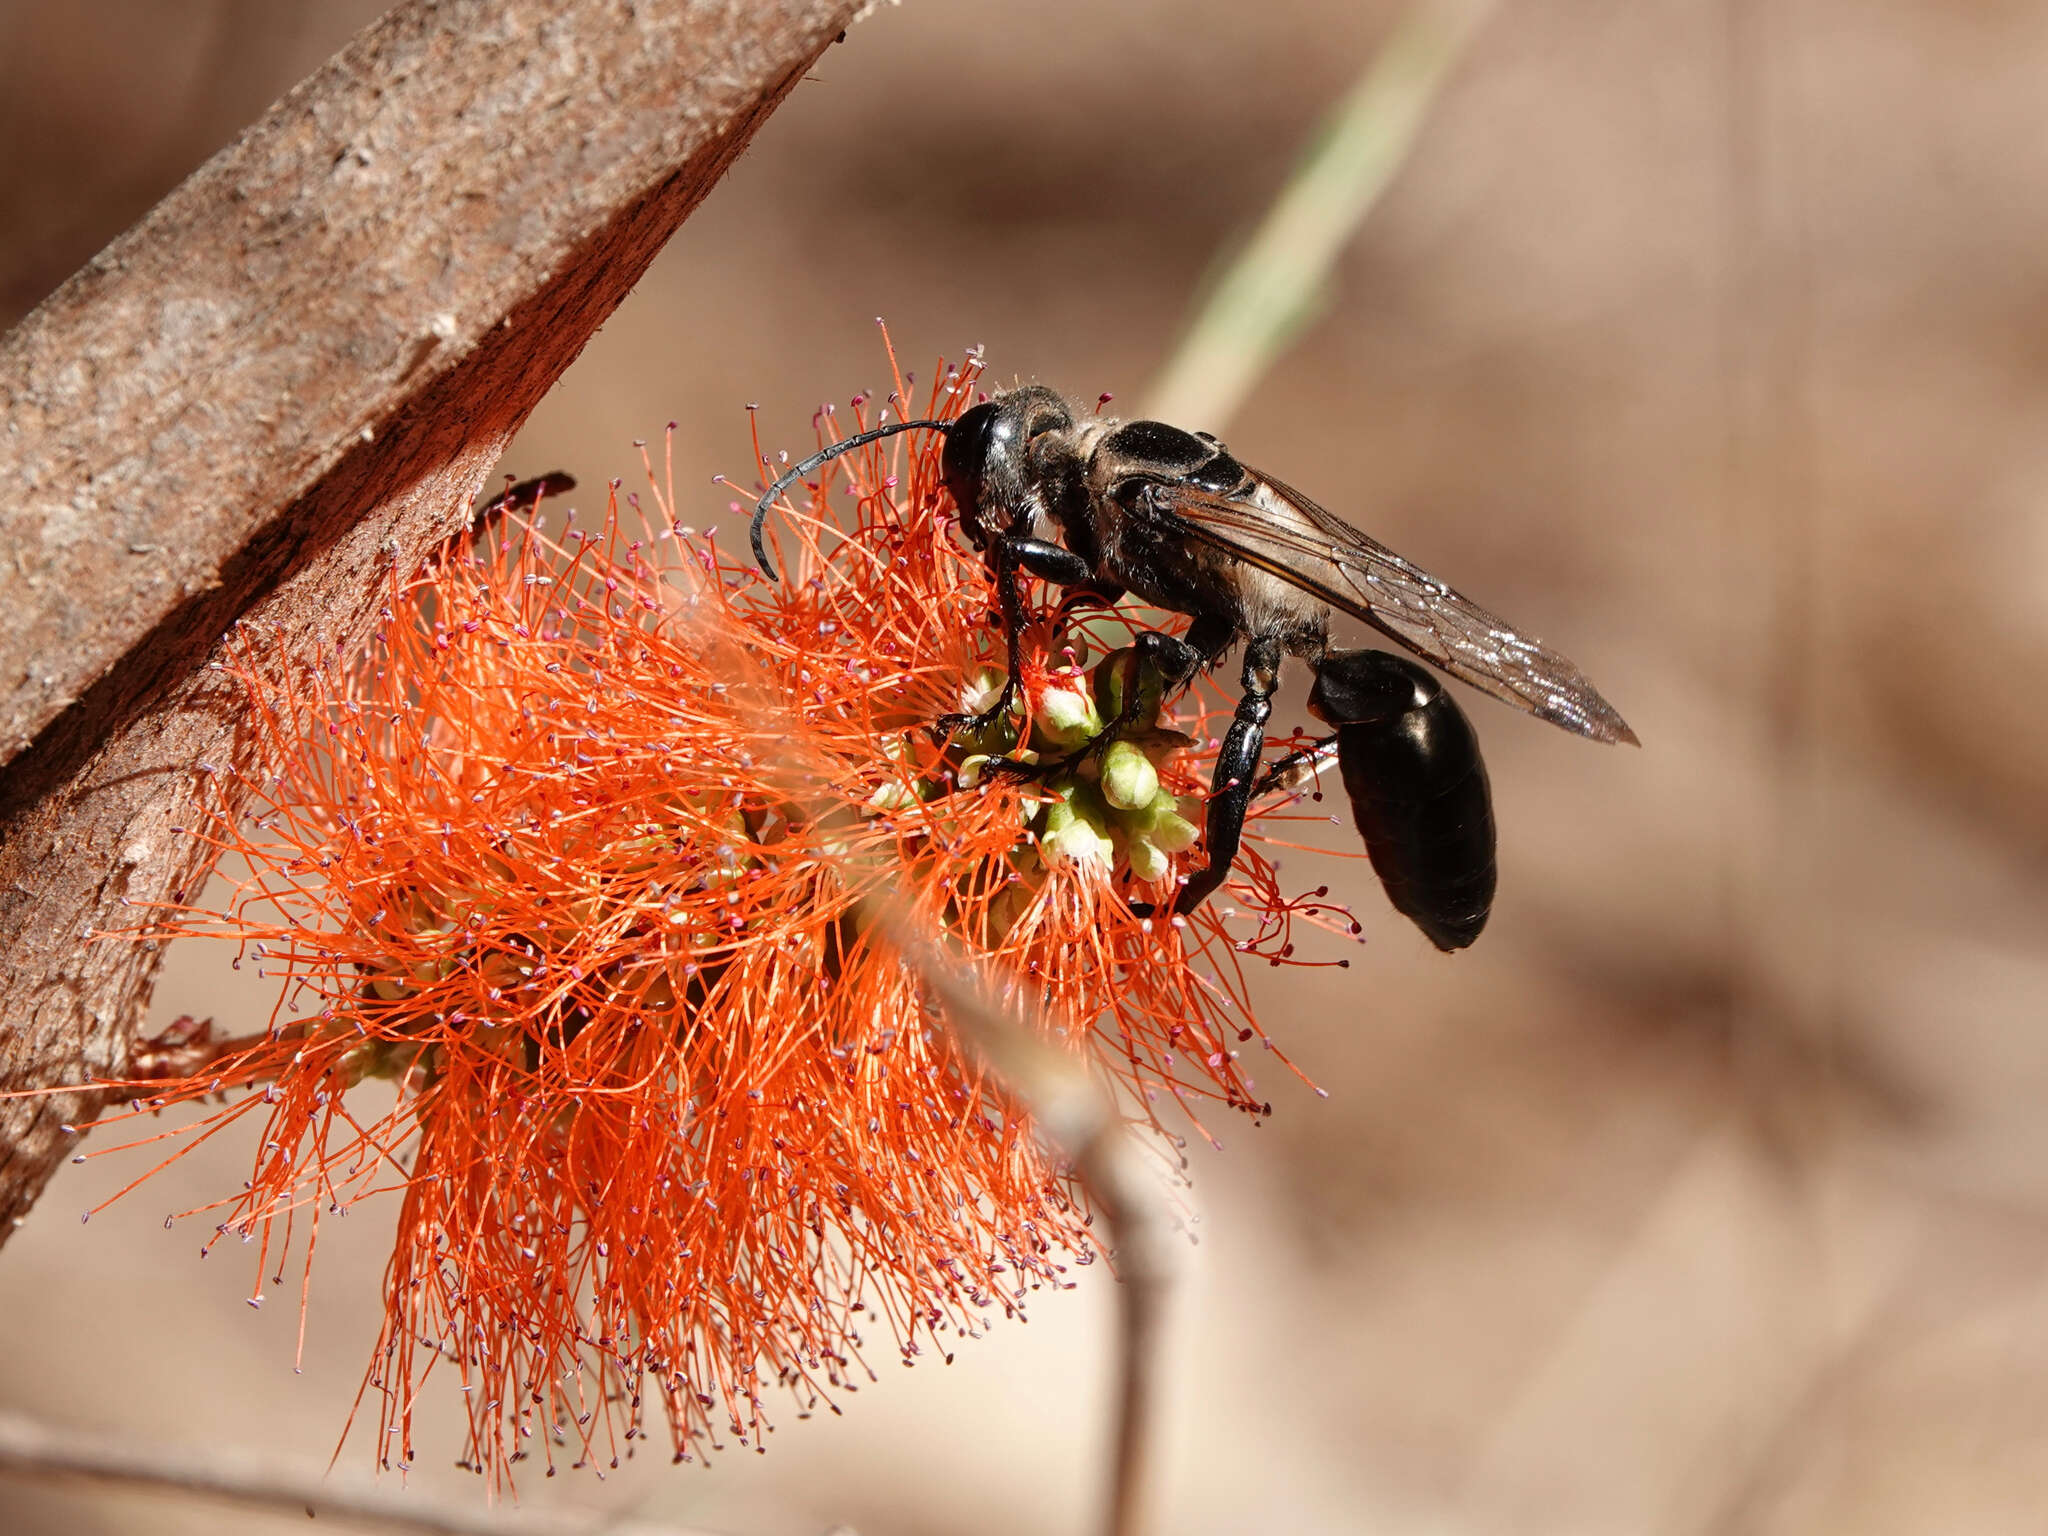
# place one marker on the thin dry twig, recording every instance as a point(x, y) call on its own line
point(32, 1450)
point(1076, 1114)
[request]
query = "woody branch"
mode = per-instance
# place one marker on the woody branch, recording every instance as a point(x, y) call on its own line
point(300, 366)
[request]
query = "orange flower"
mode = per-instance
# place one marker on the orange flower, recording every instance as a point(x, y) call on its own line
point(575, 855)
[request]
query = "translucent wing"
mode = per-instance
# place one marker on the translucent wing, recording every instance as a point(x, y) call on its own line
point(1277, 529)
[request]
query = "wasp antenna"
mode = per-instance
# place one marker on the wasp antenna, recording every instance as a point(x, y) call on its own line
point(758, 529)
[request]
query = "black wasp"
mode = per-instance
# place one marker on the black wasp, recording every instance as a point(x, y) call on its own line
point(1110, 507)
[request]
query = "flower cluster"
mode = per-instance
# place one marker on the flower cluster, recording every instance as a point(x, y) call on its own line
point(576, 857)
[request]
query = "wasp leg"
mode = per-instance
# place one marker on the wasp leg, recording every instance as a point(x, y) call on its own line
point(1232, 787)
point(1296, 768)
point(1174, 658)
point(1170, 656)
point(1051, 562)
point(1180, 659)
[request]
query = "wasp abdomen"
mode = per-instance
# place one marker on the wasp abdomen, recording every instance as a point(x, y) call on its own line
point(1418, 789)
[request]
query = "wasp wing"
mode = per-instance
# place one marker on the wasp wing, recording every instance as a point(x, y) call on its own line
point(1277, 529)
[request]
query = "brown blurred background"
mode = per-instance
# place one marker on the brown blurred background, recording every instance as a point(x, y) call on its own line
point(1708, 339)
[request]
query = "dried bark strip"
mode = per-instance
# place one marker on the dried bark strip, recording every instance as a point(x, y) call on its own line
point(296, 369)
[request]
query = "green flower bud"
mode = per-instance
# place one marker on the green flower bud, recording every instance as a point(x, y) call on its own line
point(1107, 680)
point(1129, 781)
point(1110, 676)
point(1057, 815)
point(1147, 861)
point(1168, 822)
point(1077, 828)
point(1064, 719)
point(1081, 842)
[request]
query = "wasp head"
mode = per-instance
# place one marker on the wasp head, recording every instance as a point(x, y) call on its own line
point(988, 464)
